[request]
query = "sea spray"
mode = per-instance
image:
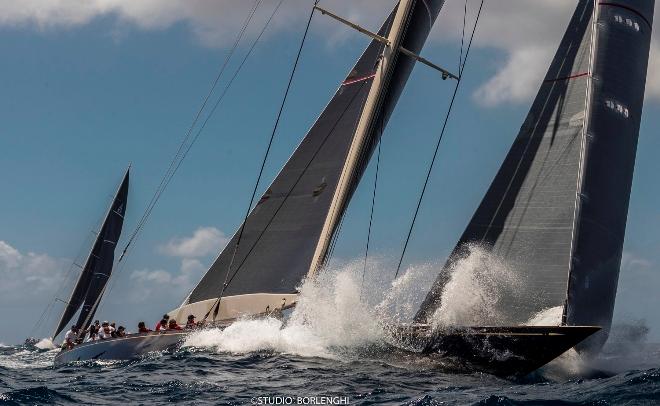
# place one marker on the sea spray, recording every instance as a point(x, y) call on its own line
point(45, 344)
point(478, 283)
point(328, 317)
point(548, 317)
point(335, 314)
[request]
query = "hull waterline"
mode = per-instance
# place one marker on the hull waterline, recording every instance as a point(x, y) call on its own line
point(501, 351)
point(122, 348)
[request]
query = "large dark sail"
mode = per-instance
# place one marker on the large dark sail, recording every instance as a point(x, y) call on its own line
point(621, 53)
point(282, 234)
point(99, 261)
point(104, 254)
point(556, 207)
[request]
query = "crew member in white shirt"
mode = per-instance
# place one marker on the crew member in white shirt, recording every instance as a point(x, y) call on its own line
point(70, 338)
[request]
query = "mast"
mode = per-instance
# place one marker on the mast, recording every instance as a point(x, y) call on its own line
point(286, 234)
point(365, 125)
point(81, 292)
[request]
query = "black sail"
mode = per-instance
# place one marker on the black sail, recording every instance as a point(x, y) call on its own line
point(619, 77)
point(527, 214)
point(556, 211)
point(103, 253)
point(282, 231)
point(80, 291)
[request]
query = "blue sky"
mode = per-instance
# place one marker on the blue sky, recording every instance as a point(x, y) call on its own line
point(88, 89)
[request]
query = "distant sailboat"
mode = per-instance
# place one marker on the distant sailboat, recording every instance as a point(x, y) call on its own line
point(98, 266)
point(550, 211)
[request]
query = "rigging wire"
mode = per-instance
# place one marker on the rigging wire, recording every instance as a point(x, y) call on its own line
point(371, 214)
point(216, 306)
point(460, 56)
point(178, 157)
point(437, 145)
point(212, 111)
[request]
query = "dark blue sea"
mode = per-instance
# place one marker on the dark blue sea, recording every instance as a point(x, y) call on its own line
point(211, 373)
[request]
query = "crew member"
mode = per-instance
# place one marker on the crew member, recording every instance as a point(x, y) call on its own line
point(106, 331)
point(161, 325)
point(70, 338)
point(173, 326)
point(142, 328)
point(190, 324)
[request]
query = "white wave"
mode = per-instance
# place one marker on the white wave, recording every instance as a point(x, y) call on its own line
point(478, 283)
point(548, 317)
point(46, 344)
point(331, 317)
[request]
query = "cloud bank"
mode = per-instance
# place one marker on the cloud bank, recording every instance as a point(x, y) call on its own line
point(525, 32)
point(204, 243)
point(25, 276)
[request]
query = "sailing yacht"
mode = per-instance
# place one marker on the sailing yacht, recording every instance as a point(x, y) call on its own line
point(556, 210)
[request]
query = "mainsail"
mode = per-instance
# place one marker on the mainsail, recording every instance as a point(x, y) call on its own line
point(98, 265)
point(287, 234)
point(556, 210)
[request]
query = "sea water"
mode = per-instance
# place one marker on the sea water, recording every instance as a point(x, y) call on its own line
point(334, 350)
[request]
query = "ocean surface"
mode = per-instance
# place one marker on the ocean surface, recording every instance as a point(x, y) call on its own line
point(374, 375)
point(332, 350)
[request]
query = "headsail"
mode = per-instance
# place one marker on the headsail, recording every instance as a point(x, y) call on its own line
point(555, 208)
point(99, 262)
point(287, 233)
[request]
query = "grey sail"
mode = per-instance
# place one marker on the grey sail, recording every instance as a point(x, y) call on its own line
point(103, 253)
point(527, 215)
point(282, 232)
point(556, 211)
point(619, 76)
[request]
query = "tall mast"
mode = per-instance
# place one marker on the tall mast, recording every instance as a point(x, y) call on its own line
point(365, 124)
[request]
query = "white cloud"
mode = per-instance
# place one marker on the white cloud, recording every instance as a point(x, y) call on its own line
point(158, 276)
point(501, 89)
point(29, 274)
point(526, 32)
point(204, 241)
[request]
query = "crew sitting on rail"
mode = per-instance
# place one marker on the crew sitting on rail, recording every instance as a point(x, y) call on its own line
point(70, 338)
point(93, 335)
point(142, 328)
point(106, 331)
point(162, 326)
point(121, 331)
point(173, 326)
point(113, 330)
point(190, 324)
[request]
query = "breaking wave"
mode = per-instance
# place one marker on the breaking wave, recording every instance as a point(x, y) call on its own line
point(478, 282)
point(332, 318)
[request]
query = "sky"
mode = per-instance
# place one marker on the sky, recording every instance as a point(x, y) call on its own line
point(88, 87)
